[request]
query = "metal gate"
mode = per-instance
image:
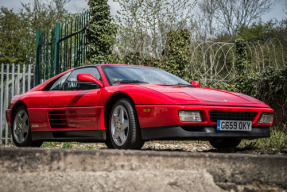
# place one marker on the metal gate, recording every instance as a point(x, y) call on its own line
point(61, 48)
point(15, 79)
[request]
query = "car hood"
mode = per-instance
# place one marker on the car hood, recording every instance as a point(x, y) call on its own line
point(205, 96)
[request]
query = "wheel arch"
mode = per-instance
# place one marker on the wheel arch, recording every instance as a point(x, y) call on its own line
point(110, 103)
point(15, 107)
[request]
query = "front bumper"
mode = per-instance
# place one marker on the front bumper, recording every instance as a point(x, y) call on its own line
point(188, 133)
point(167, 115)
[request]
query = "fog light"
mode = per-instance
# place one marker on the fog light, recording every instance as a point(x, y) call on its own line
point(189, 116)
point(266, 118)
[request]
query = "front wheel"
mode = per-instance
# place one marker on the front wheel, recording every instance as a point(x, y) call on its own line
point(124, 128)
point(225, 144)
point(21, 133)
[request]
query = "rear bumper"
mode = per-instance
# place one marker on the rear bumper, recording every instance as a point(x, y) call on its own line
point(188, 133)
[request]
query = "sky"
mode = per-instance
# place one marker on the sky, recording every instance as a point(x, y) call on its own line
point(77, 6)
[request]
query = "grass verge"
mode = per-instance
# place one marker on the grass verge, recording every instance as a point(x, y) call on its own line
point(276, 142)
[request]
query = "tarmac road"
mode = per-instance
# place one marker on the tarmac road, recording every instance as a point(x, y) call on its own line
point(30, 169)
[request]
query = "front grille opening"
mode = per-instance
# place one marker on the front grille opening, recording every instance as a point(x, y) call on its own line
point(231, 115)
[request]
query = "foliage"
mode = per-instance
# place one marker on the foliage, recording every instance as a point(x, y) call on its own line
point(176, 53)
point(228, 16)
point(143, 28)
point(17, 34)
point(258, 31)
point(241, 56)
point(67, 145)
point(269, 86)
point(100, 32)
point(276, 142)
point(12, 47)
point(272, 89)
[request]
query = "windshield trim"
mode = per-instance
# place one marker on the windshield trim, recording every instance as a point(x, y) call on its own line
point(104, 67)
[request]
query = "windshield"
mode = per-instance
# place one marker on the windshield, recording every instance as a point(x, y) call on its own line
point(123, 74)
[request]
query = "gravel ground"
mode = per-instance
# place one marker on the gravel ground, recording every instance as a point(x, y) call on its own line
point(187, 146)
point(194, 146)
point(191, 146)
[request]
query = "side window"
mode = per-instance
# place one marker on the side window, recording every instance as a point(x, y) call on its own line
point(73, 84)
point(58, 85)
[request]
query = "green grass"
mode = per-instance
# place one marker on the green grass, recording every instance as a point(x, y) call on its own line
point(276, 142)
point(67, 145)
point(73, 145)
point(51, 144)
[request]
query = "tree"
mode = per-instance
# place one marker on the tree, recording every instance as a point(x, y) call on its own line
point(177, 52)
point(208, 9)
point(18, 29)
point(100, 32)
point(228, 16)
point(12, 45)
point(258, 32)
point(144, 25)
point(233, 14)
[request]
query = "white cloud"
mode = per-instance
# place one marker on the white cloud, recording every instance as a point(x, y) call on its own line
point(77, 6)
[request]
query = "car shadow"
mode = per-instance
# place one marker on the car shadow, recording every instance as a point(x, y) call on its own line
point(213, 150)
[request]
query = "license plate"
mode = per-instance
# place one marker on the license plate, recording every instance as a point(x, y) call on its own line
point(230, 125)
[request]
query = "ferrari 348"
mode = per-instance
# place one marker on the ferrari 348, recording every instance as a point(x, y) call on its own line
point(126, 105)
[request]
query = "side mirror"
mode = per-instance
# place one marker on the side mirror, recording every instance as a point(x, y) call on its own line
point(195, 83)
point(86, 77)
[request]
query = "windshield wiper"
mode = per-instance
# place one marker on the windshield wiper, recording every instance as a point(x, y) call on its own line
point(130, 81)
point(187, 85)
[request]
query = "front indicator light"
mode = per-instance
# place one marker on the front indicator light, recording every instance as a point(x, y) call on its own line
point(190, 116)
point(266, 118)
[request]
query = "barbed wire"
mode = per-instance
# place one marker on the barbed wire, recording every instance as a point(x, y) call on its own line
point(215, 61)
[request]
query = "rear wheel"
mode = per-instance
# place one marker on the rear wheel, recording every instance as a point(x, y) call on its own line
point(124, 130)
point(21, 133)
point(225, 144)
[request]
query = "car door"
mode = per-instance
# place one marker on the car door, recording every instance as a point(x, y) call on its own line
point(75, 105)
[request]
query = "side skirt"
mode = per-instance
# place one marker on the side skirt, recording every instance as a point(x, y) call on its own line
point(81, 136)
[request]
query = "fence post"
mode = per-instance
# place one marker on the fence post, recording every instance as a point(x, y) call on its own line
point(6, 101)
point(37, 75)
point(57, 67)
point(1, 102)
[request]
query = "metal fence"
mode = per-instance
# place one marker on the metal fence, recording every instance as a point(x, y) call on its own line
point(15, 79)
point(61, 48)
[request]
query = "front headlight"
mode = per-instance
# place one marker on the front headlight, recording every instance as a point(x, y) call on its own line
point(266, 118)
point(190, 116)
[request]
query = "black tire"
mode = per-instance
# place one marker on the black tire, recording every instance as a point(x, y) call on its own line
point(26, 141)
point(109, 143)
point(225, 144)
point(131, 133)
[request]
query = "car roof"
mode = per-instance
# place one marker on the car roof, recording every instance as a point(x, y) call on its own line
point(96, 65)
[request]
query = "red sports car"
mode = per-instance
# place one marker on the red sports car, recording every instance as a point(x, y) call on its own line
point(125, 105)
